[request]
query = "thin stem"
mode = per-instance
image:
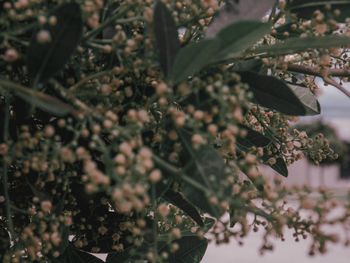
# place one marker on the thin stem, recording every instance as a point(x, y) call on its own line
point(273, 11)
point(155, 220)
point(87, 79)
point(325, 74)
point(176, 172)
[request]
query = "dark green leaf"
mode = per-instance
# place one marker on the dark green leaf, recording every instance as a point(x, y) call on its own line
point(248, 65)
point(312, 106)
point(295, 45)
point(306, 8)
point(206, 167)
point(4, 241)
point(256, 139)
point(191, 250)
point(46, 59)
point(41, 100)
point(167, 38)
point(73, 255)
point(177, 199)
point(280, 166)
point(253, 138)
point(192, 58)
point(237, 37)
point(235, 11)
point(208, 224)
point(273, 93)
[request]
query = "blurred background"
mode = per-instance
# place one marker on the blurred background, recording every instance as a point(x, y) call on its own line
point(334, 122)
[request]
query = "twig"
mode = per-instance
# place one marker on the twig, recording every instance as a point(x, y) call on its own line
point(155, 221)
point(73, 88)
point(332, 82)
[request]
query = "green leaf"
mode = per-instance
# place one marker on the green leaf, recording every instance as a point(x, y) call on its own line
point(273, 93)
point(295, 45)
point(191, 250)
point(306, 8)
point(44, 60)
point(192, 58)
point(167, 38)
point(177, 199)
point(41, 100)
point(312, 106)
point(237, 37)
point(206, 167)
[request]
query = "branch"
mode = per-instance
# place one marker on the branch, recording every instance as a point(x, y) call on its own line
point(332, 82)
point(308, 70)
point(325, 74)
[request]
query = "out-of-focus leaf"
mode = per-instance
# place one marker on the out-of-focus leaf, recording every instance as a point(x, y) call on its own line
point(45, 59)
point(167, 37)
point(306, 8)
point(240, 36)
point(273, 93)
point(248, 65)
point(295, 45)
point(177, 199)
point(311, 104)
point(41, 100)
point(233, 12)
point(192, 58)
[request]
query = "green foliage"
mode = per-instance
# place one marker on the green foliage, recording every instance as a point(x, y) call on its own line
point(192, 58)
point(237, 37)
point(144, 117)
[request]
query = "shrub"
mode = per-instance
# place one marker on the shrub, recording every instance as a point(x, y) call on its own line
point(130, 127)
